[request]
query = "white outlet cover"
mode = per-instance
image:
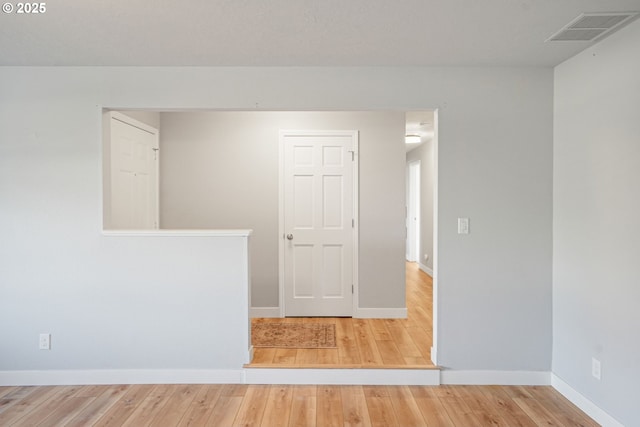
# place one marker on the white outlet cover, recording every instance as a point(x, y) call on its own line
point(45, 342)
point(596, 368)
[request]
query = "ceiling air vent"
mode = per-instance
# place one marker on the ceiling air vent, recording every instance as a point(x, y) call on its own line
point(591, 26)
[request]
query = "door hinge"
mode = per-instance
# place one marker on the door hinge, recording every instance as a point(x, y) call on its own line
point(353, 155)
point(155, 153)
point(353, 223)
point(352, 288)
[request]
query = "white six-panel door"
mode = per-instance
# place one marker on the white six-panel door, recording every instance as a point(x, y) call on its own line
point(133, 174)
point(317, 222)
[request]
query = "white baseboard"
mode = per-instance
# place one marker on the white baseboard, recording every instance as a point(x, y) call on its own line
point(495, 377)
point(343, 376)
point(264, 312)
point(381, 313)
point(425, 269)
point(587, 406)
point(122, 376)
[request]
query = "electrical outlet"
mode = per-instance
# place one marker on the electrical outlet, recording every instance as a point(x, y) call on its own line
point(596, 371)
point(45, 341)
point(426, 257)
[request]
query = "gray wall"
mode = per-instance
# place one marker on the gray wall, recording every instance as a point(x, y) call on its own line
point(424, 153)
point(495, 161)
point(596, 297)
point(220, 170)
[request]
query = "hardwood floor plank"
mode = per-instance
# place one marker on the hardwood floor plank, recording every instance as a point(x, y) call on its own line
point(381, 411)
point(329, 412)
point(328, 356)
point(307, 356)
point(98, 407)
point(40, 413)
point(252, 407)
point(565, 411)
point(224, 411)
point(406, 409)
point(154, 402)
point(285, 356)
point(125, 406)
point(14, 395)
point(201, 407)
point(347, 346)
point(278, 407)
point(506, 407)
point(4, 390)
point(403, 340)
point(369, 353)
point(354, 407)
point(65, 410)
point(537, 412)
point(303, 407)
point(430, 406)
point(173, 411)
point(390, 353)
point(456, 407)
point(25, 405)
point(264, 355)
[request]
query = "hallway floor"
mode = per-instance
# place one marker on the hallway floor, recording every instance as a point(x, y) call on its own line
point(367, 343)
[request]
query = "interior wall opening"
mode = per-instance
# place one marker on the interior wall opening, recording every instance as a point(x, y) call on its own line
point(220, 170)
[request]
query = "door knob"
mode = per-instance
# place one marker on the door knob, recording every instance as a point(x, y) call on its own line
point(290, 236)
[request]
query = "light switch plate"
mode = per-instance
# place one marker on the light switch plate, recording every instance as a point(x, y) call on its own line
point(463, 225)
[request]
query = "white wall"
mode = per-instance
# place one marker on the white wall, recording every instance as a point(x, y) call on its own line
point(220, 170)
point(495, 160)
point(424, 153)
point(596, 296)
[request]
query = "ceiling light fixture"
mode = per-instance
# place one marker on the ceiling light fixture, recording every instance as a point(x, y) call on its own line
point(412, 139)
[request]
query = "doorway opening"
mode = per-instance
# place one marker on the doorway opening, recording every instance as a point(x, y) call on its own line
point(219, 170)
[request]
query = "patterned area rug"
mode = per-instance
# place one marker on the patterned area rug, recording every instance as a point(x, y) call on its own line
point(294, 335)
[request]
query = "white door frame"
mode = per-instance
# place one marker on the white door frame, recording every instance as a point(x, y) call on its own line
point(281, 226)
point(413, 210)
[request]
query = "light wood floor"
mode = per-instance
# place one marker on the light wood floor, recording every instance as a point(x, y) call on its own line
point(281, 406)
point(370, 343)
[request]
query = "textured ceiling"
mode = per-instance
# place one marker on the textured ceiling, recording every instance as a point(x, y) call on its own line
point(296, 32)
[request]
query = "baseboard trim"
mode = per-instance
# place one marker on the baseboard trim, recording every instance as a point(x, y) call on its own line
point(381, 313)
point(585, 405)
point(343, 376)
point(425, 269)
point(121, 376)
point(495, 377)
point(264, 312)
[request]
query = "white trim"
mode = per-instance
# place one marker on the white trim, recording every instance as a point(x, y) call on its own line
point(586, 405)
point(425, 269)
point(121, 376)
point(435, 259)
point(495, 377)
point(265, 312)
point(178, 233)
point(380, 313)
point(343, 376)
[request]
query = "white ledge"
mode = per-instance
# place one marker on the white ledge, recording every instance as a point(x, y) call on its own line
point(178, 233)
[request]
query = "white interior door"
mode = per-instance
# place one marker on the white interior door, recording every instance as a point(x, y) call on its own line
point(318, 222)
point(133, 174)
